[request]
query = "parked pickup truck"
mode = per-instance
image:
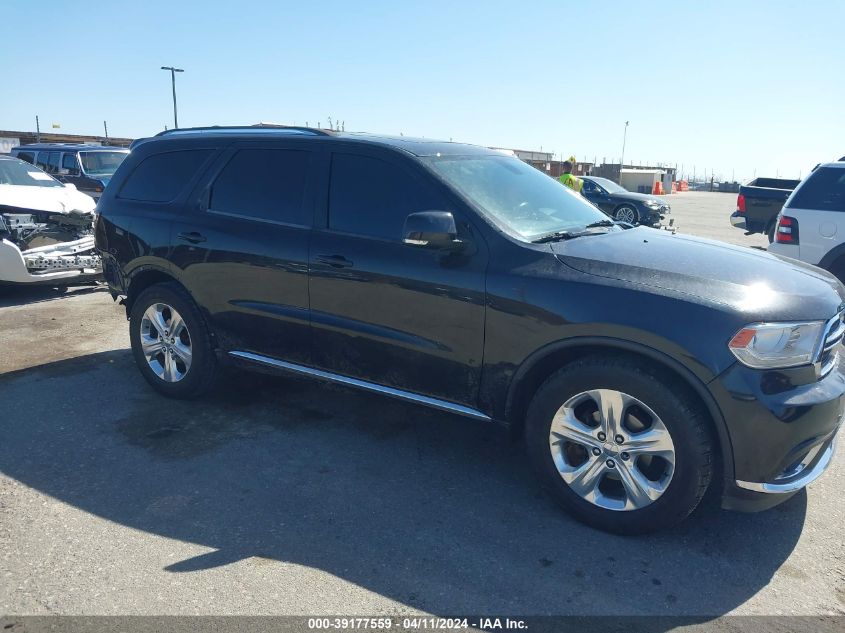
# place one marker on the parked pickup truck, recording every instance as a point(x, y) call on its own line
point(759, 202)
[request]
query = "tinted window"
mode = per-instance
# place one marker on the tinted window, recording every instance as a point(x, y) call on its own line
point(824, 190)
point(370, 197)
point(161, 177)
point(41, 161)
point(27, 156)
point(70, 163)
point(53, 162)
point(267, 184)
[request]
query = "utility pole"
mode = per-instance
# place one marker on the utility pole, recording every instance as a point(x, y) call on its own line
point(173, 72)
point(624, 138)
point(106, 130)
point(37, 130)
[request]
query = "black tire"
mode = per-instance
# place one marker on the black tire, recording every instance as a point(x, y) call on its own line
point(687, 424)
point(770, 232)
point(203, 372)
point(620, 212)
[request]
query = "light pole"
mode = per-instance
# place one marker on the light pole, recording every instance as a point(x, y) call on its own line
point(173, 72)
point(624, 138)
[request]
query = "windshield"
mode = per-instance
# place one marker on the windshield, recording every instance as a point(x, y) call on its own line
point(608, 185)
point(17, 172)
point(101, 163)
point(521, 198)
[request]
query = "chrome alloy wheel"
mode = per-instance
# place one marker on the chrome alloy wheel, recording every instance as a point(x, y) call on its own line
point(627, 214)
point(612, 450)
point(166, 342)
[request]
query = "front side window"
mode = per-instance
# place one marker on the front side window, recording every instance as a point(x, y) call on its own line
point(609, 185)
point(27, 156)
point(162, 177)
point(16, 172)
point(824, 191)
point(371, 197)
point(265, 184)
point(41, 160)
point(101, 162)
point(516, 196)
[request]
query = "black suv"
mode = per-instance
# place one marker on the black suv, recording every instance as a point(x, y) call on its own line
point(642, 367)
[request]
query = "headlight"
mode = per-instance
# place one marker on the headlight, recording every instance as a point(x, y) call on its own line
point(777, 345)
point(653, 204)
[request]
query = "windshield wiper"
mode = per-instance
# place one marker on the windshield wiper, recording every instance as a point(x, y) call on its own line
point(593, 225)
point(557, 236)
point(554, 237)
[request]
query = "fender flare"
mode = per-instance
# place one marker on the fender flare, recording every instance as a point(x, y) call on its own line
point(696, 382)
point(831, 256)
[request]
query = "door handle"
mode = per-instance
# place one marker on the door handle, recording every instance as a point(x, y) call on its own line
point(335, 261)
point(193, 237)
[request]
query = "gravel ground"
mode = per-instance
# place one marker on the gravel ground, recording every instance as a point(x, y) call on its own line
point(280, 496)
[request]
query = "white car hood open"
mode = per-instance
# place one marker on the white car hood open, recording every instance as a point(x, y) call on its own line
point(56, 199)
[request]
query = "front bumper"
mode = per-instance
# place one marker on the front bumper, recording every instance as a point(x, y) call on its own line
point(738, 220)
point(782, 426)
point(654, 216)
point(64, 262)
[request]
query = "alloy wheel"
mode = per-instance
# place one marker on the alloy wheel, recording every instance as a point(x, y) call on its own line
point(612, 450)
point(166, 342)
point(626, 214)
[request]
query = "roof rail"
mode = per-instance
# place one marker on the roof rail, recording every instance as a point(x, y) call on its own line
point(244, 128)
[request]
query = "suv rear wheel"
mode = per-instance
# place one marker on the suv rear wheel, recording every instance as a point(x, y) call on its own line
point(171, 343)
point(619, 445)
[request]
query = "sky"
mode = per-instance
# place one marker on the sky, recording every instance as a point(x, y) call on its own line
point(744, 88)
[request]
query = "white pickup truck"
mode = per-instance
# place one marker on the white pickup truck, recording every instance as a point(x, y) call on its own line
point(46, 228)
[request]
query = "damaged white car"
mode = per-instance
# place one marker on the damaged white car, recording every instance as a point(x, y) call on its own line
point(46, 228)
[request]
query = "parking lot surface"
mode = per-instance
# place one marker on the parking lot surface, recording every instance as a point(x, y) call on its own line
point(281, 496)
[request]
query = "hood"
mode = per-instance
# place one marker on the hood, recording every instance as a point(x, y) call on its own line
point(57, 199)
point(759, 284)
point(641, 197)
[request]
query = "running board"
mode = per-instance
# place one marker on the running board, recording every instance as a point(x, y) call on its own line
point(435, 403)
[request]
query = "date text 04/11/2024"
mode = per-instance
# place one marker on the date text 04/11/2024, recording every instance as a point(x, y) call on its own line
point(412, 623)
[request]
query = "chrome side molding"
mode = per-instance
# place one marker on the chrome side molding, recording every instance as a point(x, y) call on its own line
point(435, 403)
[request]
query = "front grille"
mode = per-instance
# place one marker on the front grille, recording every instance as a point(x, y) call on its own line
point(829, 356)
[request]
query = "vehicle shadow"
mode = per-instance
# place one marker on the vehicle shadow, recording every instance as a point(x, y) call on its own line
point(11, 295)
point(434, 511)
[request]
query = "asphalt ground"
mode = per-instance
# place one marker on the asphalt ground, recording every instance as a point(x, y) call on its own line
point(283, 496)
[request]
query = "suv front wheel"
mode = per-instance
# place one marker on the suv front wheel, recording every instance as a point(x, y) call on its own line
point(620, 445)
point(171, 343)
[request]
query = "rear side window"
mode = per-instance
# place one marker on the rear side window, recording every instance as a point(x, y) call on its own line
point(70, 163)
point(824, 191)
point(53, 162)
point(161, 177)
point(265, 184)
point(42, 161)
point(371, 197)
point(27, 156)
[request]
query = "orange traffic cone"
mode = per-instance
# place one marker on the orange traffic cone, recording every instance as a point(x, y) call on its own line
point(658, 189)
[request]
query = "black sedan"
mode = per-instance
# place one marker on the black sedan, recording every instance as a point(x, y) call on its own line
point(624, 205)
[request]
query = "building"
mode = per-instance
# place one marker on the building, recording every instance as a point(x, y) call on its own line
point(10, 139)
point(641, 180)
point(545, 162)
point(615, 171)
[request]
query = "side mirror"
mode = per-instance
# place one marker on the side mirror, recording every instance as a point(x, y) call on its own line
point(431, 229)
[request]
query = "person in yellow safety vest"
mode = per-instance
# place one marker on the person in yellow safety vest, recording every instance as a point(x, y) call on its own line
point(573, 182)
